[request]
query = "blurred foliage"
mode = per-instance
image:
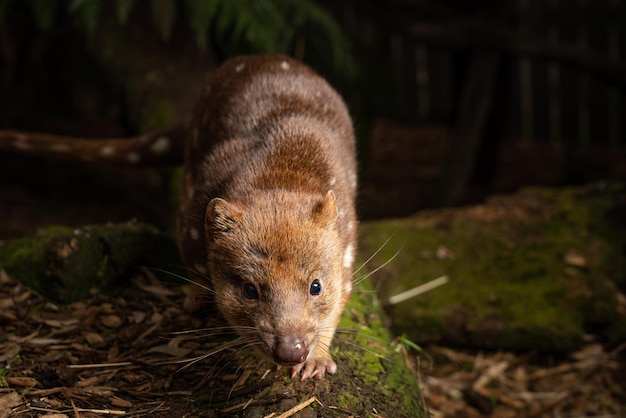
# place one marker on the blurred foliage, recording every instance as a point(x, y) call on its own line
point(230, 26)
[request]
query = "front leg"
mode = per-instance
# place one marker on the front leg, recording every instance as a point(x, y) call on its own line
point(318, 363)
point(321, 362)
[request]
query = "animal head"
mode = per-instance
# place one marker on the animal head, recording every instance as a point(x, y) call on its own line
point(276, 263)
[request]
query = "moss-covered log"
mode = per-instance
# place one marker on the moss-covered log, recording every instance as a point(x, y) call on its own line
point(66, 264)
point(533, 270)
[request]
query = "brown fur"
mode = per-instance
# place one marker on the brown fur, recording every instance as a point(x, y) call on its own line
point(271, 154)
point(267, 200)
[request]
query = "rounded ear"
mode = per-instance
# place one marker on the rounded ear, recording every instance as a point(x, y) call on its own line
point(221, 217)
point(326, 212)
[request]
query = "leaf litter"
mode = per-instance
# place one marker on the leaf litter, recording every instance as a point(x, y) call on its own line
point(126, 356)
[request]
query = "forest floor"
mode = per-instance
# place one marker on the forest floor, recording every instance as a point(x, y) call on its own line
point(120, 356)
point(589, 383)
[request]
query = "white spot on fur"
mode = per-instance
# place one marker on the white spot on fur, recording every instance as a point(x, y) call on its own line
point(350, 226)
point(60, 147)
point(107, 151)
point(194, 234)
point(133, 157)
point(200, 268)
point(348, 256)
point(284, 65)
point(347, 288)
point(333, 181)
point(161, 145)
point(22, 143)
point(352, 176)
point(240, 67)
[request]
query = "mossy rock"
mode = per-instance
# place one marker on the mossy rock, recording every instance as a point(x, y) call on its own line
point(538, 269)
point(66, 264)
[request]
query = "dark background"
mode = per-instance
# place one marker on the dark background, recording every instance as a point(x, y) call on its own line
point(452, 100)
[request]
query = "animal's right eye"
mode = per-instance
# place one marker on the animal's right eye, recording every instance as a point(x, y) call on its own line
point(316, 288)
point(250, 292)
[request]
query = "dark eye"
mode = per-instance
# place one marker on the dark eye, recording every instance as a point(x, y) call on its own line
point(316, 288)
point(250, 292)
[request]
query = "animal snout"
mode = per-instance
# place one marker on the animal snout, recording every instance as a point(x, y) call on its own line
point(289, 353)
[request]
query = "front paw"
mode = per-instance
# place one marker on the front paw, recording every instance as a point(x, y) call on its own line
point(315, 367)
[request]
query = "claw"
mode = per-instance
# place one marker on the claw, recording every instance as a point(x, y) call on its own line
point(314, 368)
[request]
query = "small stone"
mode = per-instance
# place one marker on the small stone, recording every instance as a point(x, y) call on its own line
point(111, 321)
point(94, 339)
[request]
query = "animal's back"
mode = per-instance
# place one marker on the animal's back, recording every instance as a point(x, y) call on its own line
point(257, 126)
point(249, 96)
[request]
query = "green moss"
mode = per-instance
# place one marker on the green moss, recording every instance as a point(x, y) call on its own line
point(364, 347)
point(362, 339)
point(510, 284)
point(349, 402)
point(65, 264)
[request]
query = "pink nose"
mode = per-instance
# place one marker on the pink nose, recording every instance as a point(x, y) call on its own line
point(288, 353)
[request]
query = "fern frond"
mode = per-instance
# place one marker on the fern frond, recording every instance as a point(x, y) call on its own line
point(87, 14)
point(75, 5)
point(123, 9)
point(44, 12)
point(163, 16)
point(321, 31)
point(199, 15)
point(239, 26)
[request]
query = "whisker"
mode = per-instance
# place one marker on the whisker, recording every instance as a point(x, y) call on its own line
point(384, 244)
point(361, 334)
point(243, 366)
point(380, 356)
point(246, 345)
point(224, 328)
point(348, 375)
point(213, 373)
point(221, 348)
point(360, 279)
point(363, 292)
point(186, 279)
point(203, 336)
point(190, 270)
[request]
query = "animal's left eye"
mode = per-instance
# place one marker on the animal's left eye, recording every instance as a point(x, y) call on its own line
point(316, 288)
point(250, 291)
